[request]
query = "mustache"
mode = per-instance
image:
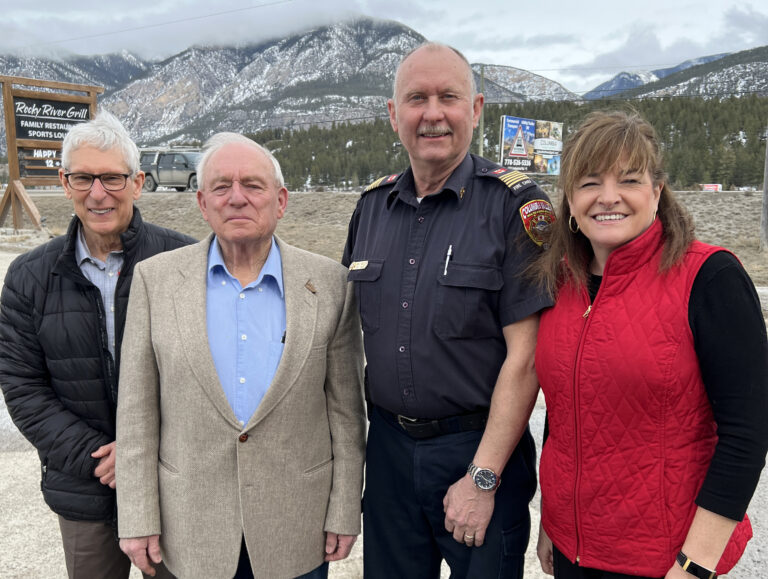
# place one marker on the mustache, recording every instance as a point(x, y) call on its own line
point(434, 131)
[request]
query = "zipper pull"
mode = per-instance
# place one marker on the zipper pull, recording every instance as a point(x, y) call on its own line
point(586, 314)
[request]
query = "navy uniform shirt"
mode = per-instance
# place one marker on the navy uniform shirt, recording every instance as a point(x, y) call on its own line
point(433, 335)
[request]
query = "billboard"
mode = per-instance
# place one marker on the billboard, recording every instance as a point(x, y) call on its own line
point(531, 146)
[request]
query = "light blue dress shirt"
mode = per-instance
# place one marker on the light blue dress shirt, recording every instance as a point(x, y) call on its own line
point(104, 275)
point(246, 329)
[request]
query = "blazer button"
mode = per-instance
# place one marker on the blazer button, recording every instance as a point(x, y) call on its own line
point(243, 437)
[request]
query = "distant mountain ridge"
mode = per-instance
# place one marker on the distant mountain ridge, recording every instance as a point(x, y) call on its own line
point(738, 73)
point(341, 72)
point(108, 70)
point(518, 85)
point(334, 73)
point(327, 74)
point(625, 81)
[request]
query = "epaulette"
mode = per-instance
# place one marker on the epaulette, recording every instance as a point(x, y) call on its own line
point(381, 181)
point(536, 215)
point(514, 180)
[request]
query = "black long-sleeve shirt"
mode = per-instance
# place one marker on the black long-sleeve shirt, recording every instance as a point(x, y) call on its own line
point(730, 341)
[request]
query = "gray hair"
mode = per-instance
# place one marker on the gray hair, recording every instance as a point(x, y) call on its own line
point(429, 45)
point(103, 132)
point(219, 140)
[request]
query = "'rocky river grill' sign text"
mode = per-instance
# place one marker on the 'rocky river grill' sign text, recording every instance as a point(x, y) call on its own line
point(47, 120)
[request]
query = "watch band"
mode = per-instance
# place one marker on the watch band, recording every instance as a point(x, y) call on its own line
point(477, 474)
point(693, 568)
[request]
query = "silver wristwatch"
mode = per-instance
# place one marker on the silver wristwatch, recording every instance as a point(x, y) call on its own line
point(484, 478)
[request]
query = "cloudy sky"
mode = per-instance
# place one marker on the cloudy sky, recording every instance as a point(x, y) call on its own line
point(579, 44)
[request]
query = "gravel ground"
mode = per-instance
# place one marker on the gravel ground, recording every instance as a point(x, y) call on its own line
point(29, 538)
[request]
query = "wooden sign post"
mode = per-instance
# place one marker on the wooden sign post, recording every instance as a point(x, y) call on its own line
point(35, 125)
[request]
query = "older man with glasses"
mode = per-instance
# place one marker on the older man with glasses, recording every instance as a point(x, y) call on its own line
point(62, 313)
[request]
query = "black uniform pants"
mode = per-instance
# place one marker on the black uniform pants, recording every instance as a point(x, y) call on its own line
point(406, 480)
point(564, 569)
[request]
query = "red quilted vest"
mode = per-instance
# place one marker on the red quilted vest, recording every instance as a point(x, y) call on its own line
point(631, 431)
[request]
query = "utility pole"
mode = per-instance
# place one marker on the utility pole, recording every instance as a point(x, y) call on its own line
point(764, 216)
point(481, 131)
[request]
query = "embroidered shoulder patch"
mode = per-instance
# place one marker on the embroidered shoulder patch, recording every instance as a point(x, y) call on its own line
point(537, 216)
point(386, 180)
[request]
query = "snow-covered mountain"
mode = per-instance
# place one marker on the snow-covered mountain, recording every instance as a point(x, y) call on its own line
point(619, 83)
point(334, 73)
point(629, 80)
point(520, 85)
point(341, 72)
point(108, 70)
point(740, 73)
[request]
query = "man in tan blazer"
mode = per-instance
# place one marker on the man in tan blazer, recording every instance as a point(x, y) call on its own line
point(240, 431)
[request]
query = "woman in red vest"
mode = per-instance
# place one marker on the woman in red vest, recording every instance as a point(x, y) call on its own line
point(654, 365)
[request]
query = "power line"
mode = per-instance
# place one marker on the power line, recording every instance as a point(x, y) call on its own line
point(575, 68)
point(280, 2)
point(617, 98)
point(642, 67)
point(289, 121)
point(157, 24)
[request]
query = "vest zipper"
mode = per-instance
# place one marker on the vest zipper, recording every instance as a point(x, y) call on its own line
point(577, 428)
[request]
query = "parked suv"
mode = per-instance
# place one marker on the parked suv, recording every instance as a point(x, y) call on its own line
point(169, 168)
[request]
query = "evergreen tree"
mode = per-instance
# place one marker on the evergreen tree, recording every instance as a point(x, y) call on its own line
point(703, 140)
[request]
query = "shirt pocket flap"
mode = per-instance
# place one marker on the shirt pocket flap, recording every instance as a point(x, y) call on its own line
point(365, 270)
point(471, 276)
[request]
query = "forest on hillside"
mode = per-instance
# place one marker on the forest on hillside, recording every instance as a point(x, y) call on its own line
point(704, 141)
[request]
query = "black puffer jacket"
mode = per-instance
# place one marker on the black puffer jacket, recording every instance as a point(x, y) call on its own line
point(58, 377)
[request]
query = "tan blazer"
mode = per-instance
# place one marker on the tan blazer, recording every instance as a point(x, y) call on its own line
point(188, 471)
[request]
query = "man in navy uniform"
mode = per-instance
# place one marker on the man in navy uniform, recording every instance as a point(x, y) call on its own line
point(438, 255)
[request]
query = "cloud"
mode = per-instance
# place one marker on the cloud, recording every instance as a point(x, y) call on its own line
point(568, 44)
point(640, 49)
point(547, 40)
point(161, 29)
point(747, 25)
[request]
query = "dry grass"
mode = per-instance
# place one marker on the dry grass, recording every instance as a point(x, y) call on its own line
point(318, 221)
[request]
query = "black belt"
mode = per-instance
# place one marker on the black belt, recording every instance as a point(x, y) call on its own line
point(421, 428)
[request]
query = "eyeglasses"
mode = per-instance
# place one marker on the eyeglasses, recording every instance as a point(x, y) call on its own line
point(84, 181)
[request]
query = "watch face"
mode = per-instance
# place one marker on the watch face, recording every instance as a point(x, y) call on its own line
point(485, 479)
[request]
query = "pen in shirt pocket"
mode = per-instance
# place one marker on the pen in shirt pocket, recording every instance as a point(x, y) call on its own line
point(448, 255)
point(282, 340)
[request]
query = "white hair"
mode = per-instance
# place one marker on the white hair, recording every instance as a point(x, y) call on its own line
point(104, 132)
point(219, 140)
